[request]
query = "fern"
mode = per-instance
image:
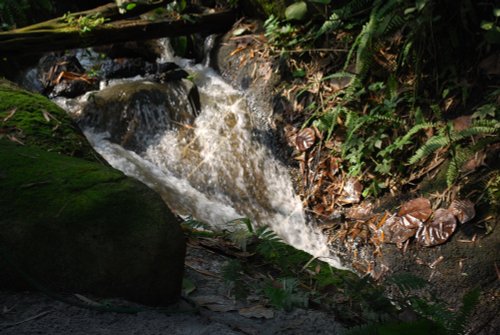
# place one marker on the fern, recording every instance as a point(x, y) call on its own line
point(469, 302)
point(434, 143)
point(400, 142)
point(479, 127)
point(406, 282)
point(459, 158)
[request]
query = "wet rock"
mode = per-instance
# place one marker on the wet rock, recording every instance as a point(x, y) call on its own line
point(125, 68)
point(32, 119)
point(77, 225)
point(56, 75)
point(149, 50)
point(130, 112)
point(69, 225)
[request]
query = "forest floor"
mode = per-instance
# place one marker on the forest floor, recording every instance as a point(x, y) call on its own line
point(209, 309)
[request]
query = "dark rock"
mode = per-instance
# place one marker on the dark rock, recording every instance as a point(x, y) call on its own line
point(33, 119)
point(72, 88)
point(70, 225)
point(148, 50)
point(125, 68)
point(132, 111)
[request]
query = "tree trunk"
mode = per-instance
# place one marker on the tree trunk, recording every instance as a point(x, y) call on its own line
point(58, 34)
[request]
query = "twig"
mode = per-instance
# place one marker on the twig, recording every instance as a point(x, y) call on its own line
point(26, 320)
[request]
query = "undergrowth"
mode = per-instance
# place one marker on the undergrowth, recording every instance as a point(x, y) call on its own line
point(394, 75)
point(290, 278)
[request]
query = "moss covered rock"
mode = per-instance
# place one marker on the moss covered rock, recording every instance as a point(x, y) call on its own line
point(265, 8)
point(77, 226)
point(33, 119)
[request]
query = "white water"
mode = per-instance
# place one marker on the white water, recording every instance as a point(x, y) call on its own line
point(216, 171)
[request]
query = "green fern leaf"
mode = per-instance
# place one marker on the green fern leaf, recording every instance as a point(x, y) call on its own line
point(460, 157)
point(406, 282)
point(469, 302)
point(432, 144)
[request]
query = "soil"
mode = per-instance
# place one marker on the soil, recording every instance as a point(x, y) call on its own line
point(211, 311)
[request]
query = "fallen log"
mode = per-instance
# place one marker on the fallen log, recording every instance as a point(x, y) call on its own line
point(57, 35)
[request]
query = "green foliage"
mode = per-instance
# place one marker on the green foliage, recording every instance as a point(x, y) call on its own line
point(456, 143)
point(18, 13)
point(285, 294)
point(296, 11)
point(85, 23)
point(233, 274)
point(434, 317)
point(35, 120)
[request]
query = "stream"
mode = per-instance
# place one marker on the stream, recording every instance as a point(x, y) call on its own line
point(213, 168)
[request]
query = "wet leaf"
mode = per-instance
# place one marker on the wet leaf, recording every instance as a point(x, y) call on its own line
point(296, 11)
point(463, 210)
point(305, 139)
point(362, 212)
point(462, 122)
point(438, 230)
point(351, 194)
point(395, 232)
point(239, 31)
point(187, 286)
point(474, 162)
point(415, 212)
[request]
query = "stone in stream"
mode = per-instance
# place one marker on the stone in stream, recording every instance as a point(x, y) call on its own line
point(132, 111)
point(75, 225)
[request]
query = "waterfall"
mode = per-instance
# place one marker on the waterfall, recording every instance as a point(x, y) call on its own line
point(214, 169)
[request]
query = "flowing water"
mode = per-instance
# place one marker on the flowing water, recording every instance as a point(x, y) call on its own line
point(214, 169)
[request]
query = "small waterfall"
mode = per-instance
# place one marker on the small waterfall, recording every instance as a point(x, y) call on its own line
point(214, 169)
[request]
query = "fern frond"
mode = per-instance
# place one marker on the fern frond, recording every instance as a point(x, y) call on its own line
point(459, 158)
point(266, 234)
point(469, 302)
point(194, 224)
point(479, 127)
point(432, 144)
point(400, 142)
point(406, 282)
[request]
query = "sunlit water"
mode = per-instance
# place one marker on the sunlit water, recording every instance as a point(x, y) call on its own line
point(215, 170)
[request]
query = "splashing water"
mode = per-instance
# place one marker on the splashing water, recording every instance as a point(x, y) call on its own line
point(216, 171)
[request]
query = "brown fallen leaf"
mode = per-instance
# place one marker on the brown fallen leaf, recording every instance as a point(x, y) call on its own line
point(438, 230)
point(394, 231)
point(351, 193)
point(463, 210)
point(462, 122)
point(415, 212)
point(305, 139)
point(10, 114)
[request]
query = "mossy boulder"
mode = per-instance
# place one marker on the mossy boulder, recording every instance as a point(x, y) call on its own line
point(265, 8)
point(77, 226)
point(34, 120)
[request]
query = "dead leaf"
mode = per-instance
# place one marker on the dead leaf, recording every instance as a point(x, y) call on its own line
point(351, 193)
point(257, 311)
point(10, 114)
point(463, 210)
point(462, 122)
point(415, 212)
point(439, 230)
point(362, 212)
point(474, 162)
point(393, 231)
point(305, 139)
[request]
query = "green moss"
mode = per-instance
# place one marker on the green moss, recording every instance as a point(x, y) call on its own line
point(81, 226)
point(268, 8)
point(34, 120)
